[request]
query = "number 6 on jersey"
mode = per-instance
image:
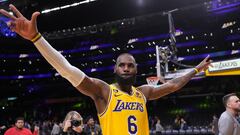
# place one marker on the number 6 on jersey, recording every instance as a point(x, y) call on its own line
point(132, 127)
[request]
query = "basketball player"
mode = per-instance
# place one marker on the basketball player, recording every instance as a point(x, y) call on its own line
point(121, 107)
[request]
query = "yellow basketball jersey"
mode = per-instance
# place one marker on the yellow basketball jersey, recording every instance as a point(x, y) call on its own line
point(125, 114)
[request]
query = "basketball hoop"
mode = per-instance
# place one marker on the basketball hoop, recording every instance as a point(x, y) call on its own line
point(152, 80)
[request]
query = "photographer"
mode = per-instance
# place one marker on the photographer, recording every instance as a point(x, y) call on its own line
point(73, 124)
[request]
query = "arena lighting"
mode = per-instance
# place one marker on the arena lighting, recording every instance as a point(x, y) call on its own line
point(3, 1)
point(156, 37)
point(11, 98)
point(37, 55)
point(150, 38)
point(100, 46)
point(94, 47)
point(232, 37)
point(67, 6)
point(221, 7)
point(191, 44)
point(106, 68)
point(222, 12)
point(23, 55)
point(214, 54)
point(89, 48)
point(93, 58)
point(109, 27)
point(15, 77)
point(99, 69)
point(4, 29)
point(100, 57)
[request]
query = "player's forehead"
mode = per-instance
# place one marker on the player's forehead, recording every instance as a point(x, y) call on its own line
point(125, 58)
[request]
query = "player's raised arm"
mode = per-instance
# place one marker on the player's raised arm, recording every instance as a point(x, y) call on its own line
point(19, 24)
point(28, 30)
point(175, 84)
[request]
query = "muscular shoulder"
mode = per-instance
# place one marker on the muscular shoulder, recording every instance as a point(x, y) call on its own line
point(146, 90)
point(93, 87)
point(144, 87)
point(103, 87)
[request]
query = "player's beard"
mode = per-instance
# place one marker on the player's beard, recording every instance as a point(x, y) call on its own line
point(125, 81)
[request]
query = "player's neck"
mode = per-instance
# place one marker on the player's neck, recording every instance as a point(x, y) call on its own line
point(125, 88)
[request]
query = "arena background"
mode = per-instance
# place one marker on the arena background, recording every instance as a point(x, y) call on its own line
point(91, 34)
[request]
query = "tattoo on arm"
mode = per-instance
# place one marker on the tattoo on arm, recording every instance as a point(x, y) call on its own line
point(183, 80)
point(169, 87)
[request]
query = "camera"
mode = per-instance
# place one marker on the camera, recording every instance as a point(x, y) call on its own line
point(75, 123)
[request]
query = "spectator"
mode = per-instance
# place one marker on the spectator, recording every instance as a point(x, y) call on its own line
point(183, 124)
point(177, 123)
point(215, 125)
point(19, 129)
point(56, 129)
point(27, 125)
point(92, 128)
point(228, 124)
point(2, 128)
point(159, 127)
point(73, 124)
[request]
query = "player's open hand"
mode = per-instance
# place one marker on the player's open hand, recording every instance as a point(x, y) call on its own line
point(19, 24)
point(204, 65)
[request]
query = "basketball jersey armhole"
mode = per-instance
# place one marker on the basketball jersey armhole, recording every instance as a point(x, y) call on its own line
point(109, 100)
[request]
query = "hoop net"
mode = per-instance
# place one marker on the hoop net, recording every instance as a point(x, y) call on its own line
point(152, 80)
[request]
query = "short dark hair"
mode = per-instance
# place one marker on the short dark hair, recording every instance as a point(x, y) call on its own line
point(19, 118)
point(88, 118)
point(128, 54)
point(226, 98)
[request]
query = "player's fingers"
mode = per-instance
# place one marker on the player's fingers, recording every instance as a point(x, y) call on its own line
point(4, 12)
point(34, 18)
point(15, 10)
point(20, 23)
point(11, 25)
point(206, 59)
